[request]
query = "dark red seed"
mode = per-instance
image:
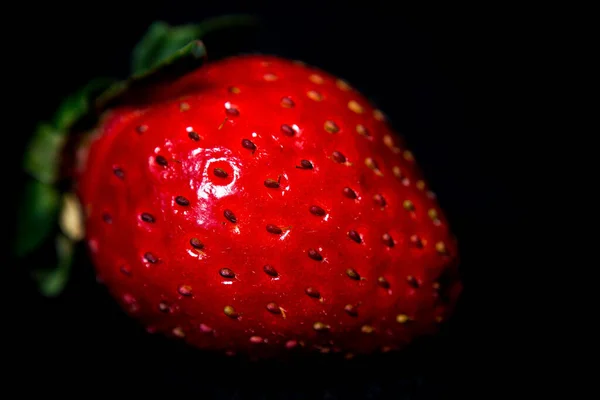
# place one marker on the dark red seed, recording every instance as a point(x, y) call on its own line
point(287, 130)
point(194, 136)
point(196, 243)
point(232, 112)
point(274, 229)
point(227, 273)
point(151, 258)
point(148, 218)
point(354, 236)
point(338, 157)
point(160, 160)
point(182, 201)
point(312, 292)
point(351, 310)
point(318, 211)
point(230, 216)
point(270, 183)
point(379, 200)
point(220, 173)
point(305, 164)
point(387, 240)
point(412, 282)
point(381, 281)
point(273, 308)
point(270, 270)
point(352, 274)
point(315, 255)
point(349, 193)
point(247, 144)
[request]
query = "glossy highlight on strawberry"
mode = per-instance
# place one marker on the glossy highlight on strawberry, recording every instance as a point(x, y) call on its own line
point(261, 206)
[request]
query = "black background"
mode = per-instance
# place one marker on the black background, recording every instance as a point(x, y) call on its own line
point(445, 76)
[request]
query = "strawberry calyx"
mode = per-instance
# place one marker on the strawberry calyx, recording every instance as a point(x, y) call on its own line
point(49, 216)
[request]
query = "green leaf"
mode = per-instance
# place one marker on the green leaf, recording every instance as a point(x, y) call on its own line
point(183, 60)
point(41, 159)
point(52, 281)
point(78, 104)
point(162, 40)
point(37, 216)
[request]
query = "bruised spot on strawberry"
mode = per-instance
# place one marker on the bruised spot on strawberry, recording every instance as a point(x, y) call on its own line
point(287, 102)
point(274, 229)
point(287, 130)
point(249, 145)
point(227, 273)
point(230, 216)
point(141, 129)
point(160, 160)
point(379, 200)
point(230, 312)
point(312, 292)
point(355, 236)
point(412, 282)
point(182, 201)
point(270, 270)
point(185, 290)
point(338, 157)
point(272, 184)
point(196, 243)
point(314, 95)
point(351, 310)
point(119, 173)
point(150, 257)
point(331, 127)
point(352, 274)
point(381, 281)
point(220, 173)
point(318, 211)
point(314, 255)
point(387, 240)
point(349, 193)
point(149, 218)
point(305, 164)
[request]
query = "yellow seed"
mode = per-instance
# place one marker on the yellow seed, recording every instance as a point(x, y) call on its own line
point(319, 326)
point(314, 95)
point(367, 329)
point(440, 247)
point(314, 78)
point(372, 165)
point(401, 318)
point(420, 185)
point(432, 213)
point(230, 311)
point(342, 85)
point(234, 90)
point(184, 106)
point(408, 156)
point(439, 319)
point(397, 172)
point(355, 107)
point(408, 205)
point(331, 127)
point(177, 331)
point(361, 130)
point(270, 77)
point(378, 115)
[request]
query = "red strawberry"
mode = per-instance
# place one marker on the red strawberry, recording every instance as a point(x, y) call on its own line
point(256, 205)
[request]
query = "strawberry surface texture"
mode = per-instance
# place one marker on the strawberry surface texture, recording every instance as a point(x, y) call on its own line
point(261, 206)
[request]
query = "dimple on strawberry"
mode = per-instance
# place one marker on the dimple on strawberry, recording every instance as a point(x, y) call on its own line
point(251, 205)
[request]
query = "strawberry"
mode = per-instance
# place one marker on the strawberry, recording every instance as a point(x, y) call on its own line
point(258, 205)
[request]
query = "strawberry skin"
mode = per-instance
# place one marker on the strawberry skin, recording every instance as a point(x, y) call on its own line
point(258, 206)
